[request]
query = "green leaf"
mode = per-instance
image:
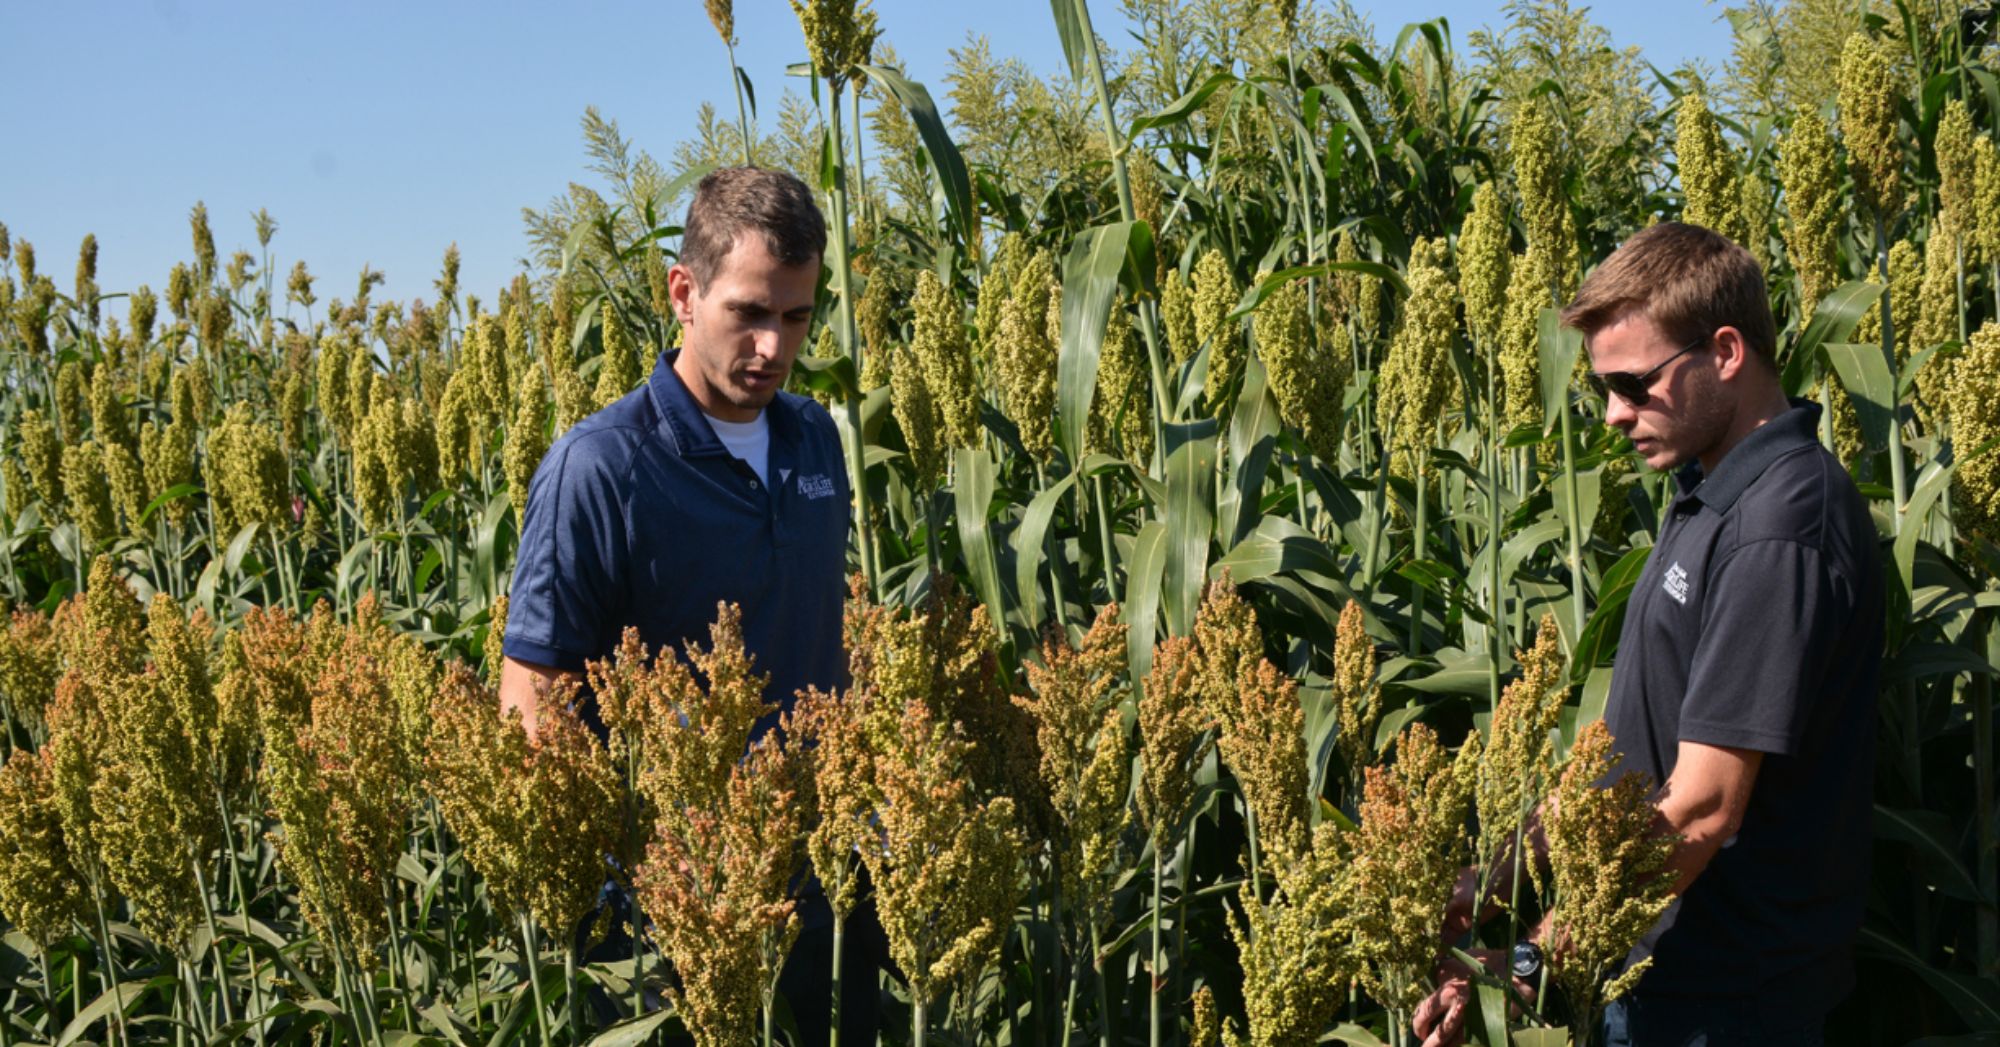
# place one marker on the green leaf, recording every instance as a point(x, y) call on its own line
point(1031, 550)
point(1253, 431)
point(829, 375)
point(632, 1032)
point(1190, 514)
point(1864, 373)
point(1178, 110)
point(1559, 348)
point(1834, 320)
point(171, 494)
point(1090, 289)
point(1926, 831)
point(1351, 1034)
point(1254, 295)
point(119, 997)
point(1600, 634)
point(945, 158)
point(1143, 574)
point(1076, 41)
point(1976, 1000)
point(972, 495)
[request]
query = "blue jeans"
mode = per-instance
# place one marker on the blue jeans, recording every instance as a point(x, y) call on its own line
point(1636, 1021)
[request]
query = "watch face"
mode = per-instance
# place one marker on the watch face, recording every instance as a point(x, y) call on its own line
point(1527, 960)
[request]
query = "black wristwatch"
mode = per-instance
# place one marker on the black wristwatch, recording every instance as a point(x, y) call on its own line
point(1527, 960)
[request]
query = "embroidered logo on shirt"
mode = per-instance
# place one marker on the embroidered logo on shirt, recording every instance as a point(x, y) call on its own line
point(1676, 584)
point(816, 487)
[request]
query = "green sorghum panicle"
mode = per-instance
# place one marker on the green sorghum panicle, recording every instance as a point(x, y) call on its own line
point(6, 244)
point(204, 243)
point(1936, 319)
point(1123, 407)
point(994, 291)
point(1610, 872)
point(1807, 168)
point(1300, 376)
point(874, 316)
point(239, 270)
point(1868, 89)
point(1177, 317)
point(1356, 691)
point(71, 396)
point(1207, 1031)
point(331, 378)
point(144, 309)
point(248, 460)
point(447, 281)
point(1297, 946)
point(619, 371)
point(1956, 166)
point(1215, 295)
point(939, 343)
point(1545, 210)
point(917, 415)
point(85, 293)
point(1520, 753)
point(212, 323)
point(201, 390)
point(840, 36)
point(30, 663)
point(128, 487)
point(41, 455)
point(108, 416)
point(41, 891)
point(1025, 358)
point(299, 285)
point(833, 735)
point(24, 259)
point(527, 441)
point(86, 481)
point(1710, 186)
point(1483, 258)
point(1417, 372)
point(1986, 197)
point(1974, 389)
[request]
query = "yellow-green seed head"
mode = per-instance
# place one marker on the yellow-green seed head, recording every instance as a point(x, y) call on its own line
point(1215, 295)
point(1301, 377)
point(1986, 197)
point(618, 372)
point(41, 455)
point(527, 442)
point(71, 396)
point(840, 36)
point(1807, 168)
point(1025, 358)
point(1974, 389)
point(1177, 317)
point(939, 344)
point(1416, 377)
point(41, 891)
point(1710, 187)
point(917, 415)
point(1537, 144)
point(1868, 93)
point(1122, 411)
point(1483, 258)
point(86, 481)
point(1957, 166)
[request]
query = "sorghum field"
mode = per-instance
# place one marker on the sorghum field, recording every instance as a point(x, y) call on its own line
point(1237, 554)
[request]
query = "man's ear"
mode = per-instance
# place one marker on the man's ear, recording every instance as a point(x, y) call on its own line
point(1733, 354)
point(681, 291)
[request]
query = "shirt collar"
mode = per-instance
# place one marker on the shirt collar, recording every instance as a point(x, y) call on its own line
point(1747, 461)
point(683, 421)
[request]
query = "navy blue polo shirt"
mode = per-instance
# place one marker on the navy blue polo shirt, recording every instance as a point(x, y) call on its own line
point(640, 516)
point(1757, 624)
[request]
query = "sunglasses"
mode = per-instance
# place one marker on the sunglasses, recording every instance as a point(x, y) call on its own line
point(1632, 388)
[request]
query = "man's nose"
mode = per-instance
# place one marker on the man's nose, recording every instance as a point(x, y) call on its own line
point(1617, 412)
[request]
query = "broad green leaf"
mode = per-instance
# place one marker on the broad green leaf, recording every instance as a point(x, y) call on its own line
point(1976, 1000)
point(118, 997)
point(1143, 574)
point(1926, 831)
point(171, 494)
point(1833, 320)
point(1178, 110)
point(1076, 40)
point(1559, 347)
point(1254, 295)
point(972, 495)
point(632, 1032)
point(1090, 291)
point(945, 159)
point(1600, 634)
point(1031, 550)
point(833, 375)
point(1190, 515)
point(1864, 373)
point(1253, 431)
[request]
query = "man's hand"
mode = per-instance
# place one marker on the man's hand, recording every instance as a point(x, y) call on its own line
point(523, 688)
point(1440, 1019)
point(1458, 912)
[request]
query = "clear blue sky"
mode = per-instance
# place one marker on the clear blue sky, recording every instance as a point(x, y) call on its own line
point(380, 133)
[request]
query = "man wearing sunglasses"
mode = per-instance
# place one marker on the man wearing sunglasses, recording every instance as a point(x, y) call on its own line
point(1746, 672)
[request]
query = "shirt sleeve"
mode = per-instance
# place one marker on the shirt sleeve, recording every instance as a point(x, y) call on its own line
point(1771, 617)
point(572, 555)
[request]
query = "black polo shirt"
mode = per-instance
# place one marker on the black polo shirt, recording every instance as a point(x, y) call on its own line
point(640, 516)
point(1757, 624)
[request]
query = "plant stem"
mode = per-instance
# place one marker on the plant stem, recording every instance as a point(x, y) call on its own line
point(1898, 481)
point(833, 1004)
point(742, 121)
point(918, 1022)
point(1154, 980)
point(534, 962)
point(1104, 1015)
point(1573, 519)
point(1983, 772)
point(111, 977)
point(844, 271)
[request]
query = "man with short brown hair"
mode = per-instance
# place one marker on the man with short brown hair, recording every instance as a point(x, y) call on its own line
point(1745, 679)
point(707, 484)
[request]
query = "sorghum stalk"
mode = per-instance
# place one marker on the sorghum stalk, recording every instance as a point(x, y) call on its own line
point(844, 269)
point(533, 959)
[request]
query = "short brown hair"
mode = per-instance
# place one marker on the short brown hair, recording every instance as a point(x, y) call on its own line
point(732, 200)
point(1687, 280)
